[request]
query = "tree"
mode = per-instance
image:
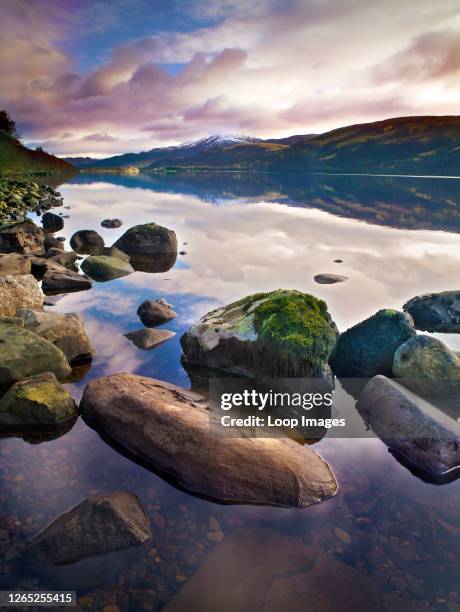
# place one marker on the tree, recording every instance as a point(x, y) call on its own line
point(7, 125)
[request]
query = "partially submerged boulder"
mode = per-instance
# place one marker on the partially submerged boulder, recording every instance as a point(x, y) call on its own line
point(25, 238)
point(104, 268)
point(170, 427)
point(368, 348)
point(111, 223)
point(52, 223)
point(330, 279)
point(58, 279)
point(147, 339)
point(14, 264)
point(20, 291)
point(23, 354)
point(279, 334)
point(36, 401)
point(87, 242)
point(99, 524)
point(436, 312)
point(422, 434)
point(155, 312)
point(424, 357)
point(149, 239)
point(66, 331)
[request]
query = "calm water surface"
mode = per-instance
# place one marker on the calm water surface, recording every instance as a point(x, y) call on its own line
point(386, 528)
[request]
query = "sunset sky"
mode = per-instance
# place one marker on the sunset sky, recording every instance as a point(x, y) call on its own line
point(99, 77)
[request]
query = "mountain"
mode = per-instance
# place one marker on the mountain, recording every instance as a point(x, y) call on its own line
point(15, 157)
point(79, 161)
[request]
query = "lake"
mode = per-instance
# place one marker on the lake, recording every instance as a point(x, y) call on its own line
point(387, 533)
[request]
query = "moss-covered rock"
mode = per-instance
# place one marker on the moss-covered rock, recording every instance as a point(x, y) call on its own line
point(38, 400)
point(283, 333)
point(104, 268)
point(427, 358)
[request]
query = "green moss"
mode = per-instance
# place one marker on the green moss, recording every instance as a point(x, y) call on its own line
point(46, 393)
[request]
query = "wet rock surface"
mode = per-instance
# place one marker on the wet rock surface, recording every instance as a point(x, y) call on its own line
point(155, 312)
point(424, 357)
point(104, 268)
point(99, 524)
point(58, 279)
point(147, 339)
point(170, 427)
point(436, 312)
point(21, 291)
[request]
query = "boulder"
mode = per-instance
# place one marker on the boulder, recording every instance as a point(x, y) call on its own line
point(14, 264)
point(279, 334)
point(149, 239)
point(111, 223)
point(424, 357)
point(20, 291)
point(153, 313)
point(114, 252)
point(58, 279)
point(368, 348)
point(86, 242)
point(66, 331)
point(436, 312)
point(408, 424)
point(51, 242)
point(63, 258)
point(52, 223)
point(37, 400)
point(104, 268)
point(330, 279)
point(147, 339)
point(99, 524)
point(24, 354)
point(25, 238)
point(170, 427)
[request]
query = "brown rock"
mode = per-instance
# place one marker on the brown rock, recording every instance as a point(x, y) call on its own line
point(147, 339)
point(14, 264)
point(25, 238)
point(20, 291)
point(58, 279)
point(153, 313)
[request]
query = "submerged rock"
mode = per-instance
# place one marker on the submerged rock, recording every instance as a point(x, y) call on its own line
point(24, 354)
point(153, 313)
point(147, 339)
point(170, 427)
point(280, 334)
point(104, 268)
point(413, 427)
point(436, 312)
point(426, 357)
point(66, 331)
point(20, 291)
point(52, 223)
point(330, 279)
point(368, 348)
point(111, 223)
point(149, 239)
point(58, 279)
point(37, 400)
point(25, 238)
point(99, 524)
point(87, 242)
point(14, 264)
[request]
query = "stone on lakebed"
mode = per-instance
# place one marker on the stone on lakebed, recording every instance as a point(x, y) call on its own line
point(170, 427)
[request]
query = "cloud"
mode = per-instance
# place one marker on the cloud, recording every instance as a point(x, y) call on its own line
point(99, 137)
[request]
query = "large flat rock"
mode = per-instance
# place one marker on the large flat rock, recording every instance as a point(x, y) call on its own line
point(170, 427)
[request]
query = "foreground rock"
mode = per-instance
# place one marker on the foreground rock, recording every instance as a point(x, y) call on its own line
point(424, 357)
point(368, 348)
point(14, 264)
point(416, 429)
point(103, 268)
point(24, 354)
point(66, 331)
point(52, 223)
point(149, 239)
point(20, 291)
point(279, 334)
point(436, 312)
point(330, 279)
point(170, 427)
point(35, 401)
point(111, 223)
point(58, 279)
point(87, 242)
point(99, 524)
point(147, 339)
point(25, 238)
point(51, 242)
point(153, 313)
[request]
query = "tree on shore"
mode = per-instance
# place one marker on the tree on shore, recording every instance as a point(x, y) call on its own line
point(7, 125)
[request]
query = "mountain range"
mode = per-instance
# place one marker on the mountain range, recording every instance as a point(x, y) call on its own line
point(403, 145)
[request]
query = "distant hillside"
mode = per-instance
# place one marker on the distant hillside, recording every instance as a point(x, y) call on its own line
point(15, 157)
point(79, 161)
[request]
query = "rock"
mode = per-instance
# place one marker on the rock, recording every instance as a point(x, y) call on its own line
point(147, 339)
point(103, 268)
point(51, 242)
point(14, 264)
point(86, 242)
point(330, 279)
point(52, 223)
point(368, 348)
point(170, 427)
point(37, 400)
point(114, 252)
point(25, 238)
point(20, 291)
point(153, 313)
point(58, 279)
point(338, 260)
point(436, 312)
point(66, 331)
point(149, 239)
point(426, 357)
point(279, 334)
point(63, 258)
point(99, 524)
point(111, 223)
point(24, 354)
point(413, 427)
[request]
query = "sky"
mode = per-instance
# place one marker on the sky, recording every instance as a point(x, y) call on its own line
point(102, 77)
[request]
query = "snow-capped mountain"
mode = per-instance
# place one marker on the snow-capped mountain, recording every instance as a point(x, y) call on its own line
point(219, 140)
